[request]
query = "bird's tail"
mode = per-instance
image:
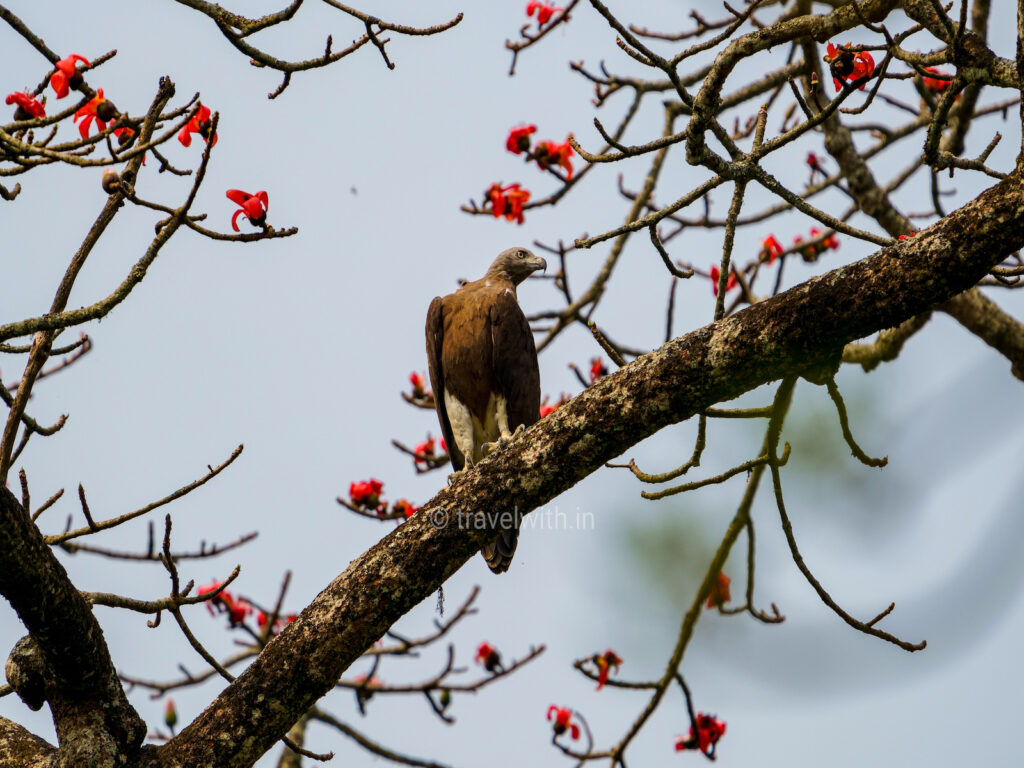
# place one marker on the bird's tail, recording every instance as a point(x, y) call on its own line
point(499, 552)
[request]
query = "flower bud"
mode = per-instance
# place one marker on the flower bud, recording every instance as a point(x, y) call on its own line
point(106, 111)
point(111, 181)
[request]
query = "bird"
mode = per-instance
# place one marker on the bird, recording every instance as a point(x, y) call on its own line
point(484, 372)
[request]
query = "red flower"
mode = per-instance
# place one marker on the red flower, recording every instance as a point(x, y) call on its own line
point(548, 154)
point(405, 507)
point(849, 67)
point(418, 384)
point(816, 164)
point(97, 108)
point(199, 123)
point(709, 731)
point(546, 409)
point(125, 136)
point(771, 249)
point(237, 612)
point(366, 493)
point(812, 251)
point(719, 595)
point(28, 107)
point(716, 273)
point(488, 655)
point(170, 715)
point(831, 242)
point(544, 11)
point(597, 369)
point(210, 588)
point(254, 207)
point(604, 666)
point(508, 201)
point(235, 608)
point(443, 446)
point(934, 84)
point(424, 451)
point(519, 139)
point(563, 721)
point(67, 74)
point(904, 237)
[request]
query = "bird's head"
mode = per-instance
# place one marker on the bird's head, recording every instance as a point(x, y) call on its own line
point(516, 264)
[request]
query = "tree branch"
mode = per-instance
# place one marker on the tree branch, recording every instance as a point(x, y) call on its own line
point(90, 711)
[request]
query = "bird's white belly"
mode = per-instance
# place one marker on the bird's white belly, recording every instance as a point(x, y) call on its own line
point(470, 432)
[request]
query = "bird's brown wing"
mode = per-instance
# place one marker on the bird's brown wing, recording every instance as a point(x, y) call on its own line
point(514, 360)
point(435, 343)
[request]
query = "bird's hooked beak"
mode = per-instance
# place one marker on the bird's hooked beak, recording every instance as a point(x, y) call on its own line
point(538, 263)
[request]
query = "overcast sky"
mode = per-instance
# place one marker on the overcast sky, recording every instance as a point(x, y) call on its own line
point(299, 349)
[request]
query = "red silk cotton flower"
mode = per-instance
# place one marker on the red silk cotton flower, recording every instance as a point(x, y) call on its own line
point(716, 272)
point(236, 608)
point(508, 201)
point(405, 507)
point(933, 84)
point(28, 107)
point(831, 242)
point(262, 618)
point(97, 108)
point(816, 165)
point(418, 384)
point(561, 721)
point(544, 11)
point(709, 731)
point(199, 123)
point(366, 493)
point(605, 663)
point(254, 207)
point(519, 139)
point(548, 154)
point(771, 249)
point(67, 74)
point(849, 67)
point(546, 408)
point(424, 451)
point(488, 656)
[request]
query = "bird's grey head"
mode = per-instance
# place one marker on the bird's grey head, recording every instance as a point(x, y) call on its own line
point(516, 264)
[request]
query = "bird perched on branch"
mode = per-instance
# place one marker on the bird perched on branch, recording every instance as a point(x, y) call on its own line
point(483, 368)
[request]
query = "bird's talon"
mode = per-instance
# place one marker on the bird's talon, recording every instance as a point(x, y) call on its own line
point(503, 441)
point(459, 473)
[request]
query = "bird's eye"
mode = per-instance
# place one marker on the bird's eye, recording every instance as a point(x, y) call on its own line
point(521, 254)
